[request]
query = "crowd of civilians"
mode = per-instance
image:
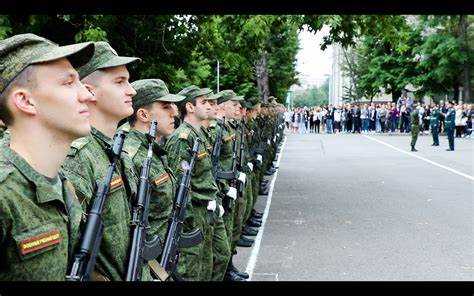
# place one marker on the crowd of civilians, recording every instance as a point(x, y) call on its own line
point(374, 118)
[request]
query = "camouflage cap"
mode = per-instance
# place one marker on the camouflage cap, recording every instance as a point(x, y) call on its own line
point(252, 103)
point(20, 51)
point(192, 92)
point(104, 57)
point(228, 95)
point(152, 90)
point(214, 97)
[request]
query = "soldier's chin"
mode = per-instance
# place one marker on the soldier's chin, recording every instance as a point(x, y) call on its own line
point(80, 131)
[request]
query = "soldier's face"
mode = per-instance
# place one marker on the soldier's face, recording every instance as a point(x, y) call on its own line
point(238, 109)
point(202, 108)
point(229, 109)
point(59, 99)
point(214, 113)
point(163, 113)
point(114, 93)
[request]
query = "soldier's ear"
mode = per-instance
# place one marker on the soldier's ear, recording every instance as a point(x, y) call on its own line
point(143, 115)
point(24, 101)
point(190, 108)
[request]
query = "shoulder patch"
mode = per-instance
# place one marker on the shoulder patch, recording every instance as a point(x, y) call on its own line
point(161, 179)
point(40, 241)
point(116, 182)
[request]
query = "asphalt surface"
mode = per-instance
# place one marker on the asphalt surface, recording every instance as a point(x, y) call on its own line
point(345, 207)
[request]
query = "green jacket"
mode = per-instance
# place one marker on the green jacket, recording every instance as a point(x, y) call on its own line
point(179, 146)
point(87, 164)
point(434, 118)
point(415, 118)
point(450, 117)
point(162, 180)
point(39, 222)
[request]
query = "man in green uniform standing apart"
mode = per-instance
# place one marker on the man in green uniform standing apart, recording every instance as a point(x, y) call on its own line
point(40, 95)
point(415, 127)
point(449, 125)
point(106, 77)
point(204, 210)
point(434, 125)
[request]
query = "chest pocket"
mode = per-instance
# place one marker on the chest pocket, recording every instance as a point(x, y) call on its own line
point(39, 240)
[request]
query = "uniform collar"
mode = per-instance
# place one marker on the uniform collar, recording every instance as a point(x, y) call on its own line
point(44, 191)
point(104, 141)
point(141, 138)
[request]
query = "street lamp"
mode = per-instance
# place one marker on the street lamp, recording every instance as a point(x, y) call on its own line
point(218, 66)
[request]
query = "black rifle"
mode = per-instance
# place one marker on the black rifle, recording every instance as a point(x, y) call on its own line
point(141, 250)
point(85, 259)
point(241, 186)
point(175, 239)
point(216, 149)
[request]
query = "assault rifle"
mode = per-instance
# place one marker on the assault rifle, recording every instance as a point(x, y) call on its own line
point(141, 250)
point(175, 239)
point(85, 259)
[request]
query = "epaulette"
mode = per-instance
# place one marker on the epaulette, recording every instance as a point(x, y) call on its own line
point(5, 170)
point(78, 145)
point(184, 134)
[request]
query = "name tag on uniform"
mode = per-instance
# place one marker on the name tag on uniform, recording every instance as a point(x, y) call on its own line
point(40, 241)
point(231, 137)
point(161, 179)
point(202, 155)
point(116, 182)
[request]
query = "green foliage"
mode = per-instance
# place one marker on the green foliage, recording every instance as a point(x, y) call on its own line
point(314, 96)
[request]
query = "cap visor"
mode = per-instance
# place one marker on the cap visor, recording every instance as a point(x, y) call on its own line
point(118, 61)
point(78, 54)
point(171, 98)
point(237, 98)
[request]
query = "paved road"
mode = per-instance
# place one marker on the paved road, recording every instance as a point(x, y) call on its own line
point(345, 207)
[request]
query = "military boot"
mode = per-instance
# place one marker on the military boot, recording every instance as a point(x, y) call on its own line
point(245, 242)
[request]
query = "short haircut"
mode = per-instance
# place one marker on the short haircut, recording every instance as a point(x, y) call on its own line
point(182, 107)
point(133, 118)
point(26, 79)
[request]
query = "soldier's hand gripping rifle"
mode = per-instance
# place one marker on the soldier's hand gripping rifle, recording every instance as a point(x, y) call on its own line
point(141, 250)
point(175, 239)
point(85, 259)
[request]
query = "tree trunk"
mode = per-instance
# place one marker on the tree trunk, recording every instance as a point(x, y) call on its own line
point(261, 68)
point(395, 95)
point(466, 73)
point(456, 92)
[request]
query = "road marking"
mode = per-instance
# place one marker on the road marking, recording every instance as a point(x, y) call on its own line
point(422, 158)
point(258, 240)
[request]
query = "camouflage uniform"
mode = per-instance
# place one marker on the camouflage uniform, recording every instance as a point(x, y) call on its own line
point(203, 190)
point(39, 222)
point(219, 246)
point(215, 250)
point(39, 216)
point(87, 164)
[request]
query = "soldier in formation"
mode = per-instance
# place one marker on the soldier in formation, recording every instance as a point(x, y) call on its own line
point(68, 196)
